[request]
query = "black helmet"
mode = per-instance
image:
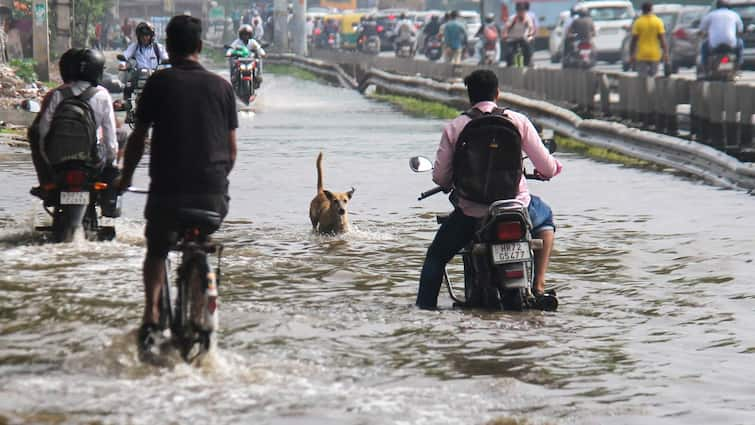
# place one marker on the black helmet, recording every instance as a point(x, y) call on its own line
point(522, 6)
point(69, 65)
point(722, 4)
point(246, 29)
point(91, 65)
point(145, 28)
point(489, 18)
point(583, 12)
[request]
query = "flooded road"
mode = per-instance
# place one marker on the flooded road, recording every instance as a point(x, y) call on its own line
point(654, 271)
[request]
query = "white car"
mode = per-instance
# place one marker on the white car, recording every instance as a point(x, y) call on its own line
point(611, 19)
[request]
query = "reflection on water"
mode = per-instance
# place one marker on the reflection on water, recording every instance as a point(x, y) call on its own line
point(653, 272)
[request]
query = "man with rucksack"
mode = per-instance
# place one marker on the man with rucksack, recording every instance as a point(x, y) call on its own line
point(458, 230)
point(76, 122)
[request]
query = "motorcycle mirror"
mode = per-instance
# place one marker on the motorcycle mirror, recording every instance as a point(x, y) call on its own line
point(420, 164)
point(122, 58)
point(751, 28)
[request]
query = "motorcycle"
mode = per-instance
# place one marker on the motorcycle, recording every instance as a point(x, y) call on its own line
point(433, 48)
point(721, 65)
point(371, 44)
point(489, 53)
point(581, 55)
point(244, 74)
point(499, 261)
point(73, 200)
point(135, 80)
point(404, 48)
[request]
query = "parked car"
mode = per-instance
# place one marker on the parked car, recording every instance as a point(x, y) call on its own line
point(611, 19)
point(682, 27)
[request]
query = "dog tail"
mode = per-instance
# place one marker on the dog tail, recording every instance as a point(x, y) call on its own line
point(320, 187)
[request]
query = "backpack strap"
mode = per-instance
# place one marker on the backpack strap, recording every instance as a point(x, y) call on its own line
point(88, 93)
point(67, 92)
point(157, 51)
point(476, 113)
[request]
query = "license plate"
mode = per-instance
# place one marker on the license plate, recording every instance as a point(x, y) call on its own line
point(74, 198)
point(511, 252)
point(726, 66)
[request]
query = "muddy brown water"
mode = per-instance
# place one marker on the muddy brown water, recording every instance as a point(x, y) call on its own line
point(654, 270)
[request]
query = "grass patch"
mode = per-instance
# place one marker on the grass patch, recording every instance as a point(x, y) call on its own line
point(572, 145)
point(13, 131)
point(418, 107)
point(290, 70)
point(24, 69)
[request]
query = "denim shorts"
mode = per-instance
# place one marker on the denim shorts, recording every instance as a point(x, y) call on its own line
point(540, 215)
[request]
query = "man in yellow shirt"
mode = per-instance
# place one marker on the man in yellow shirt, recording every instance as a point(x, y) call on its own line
point(648, 44)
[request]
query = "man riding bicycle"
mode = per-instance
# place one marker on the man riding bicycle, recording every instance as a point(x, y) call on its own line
point(193, 149)
point(519, 33)
point(723, 28)
point(458, 230)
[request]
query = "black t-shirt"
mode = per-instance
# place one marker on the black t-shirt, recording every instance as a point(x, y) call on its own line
point(192, 111)
point(583, 27)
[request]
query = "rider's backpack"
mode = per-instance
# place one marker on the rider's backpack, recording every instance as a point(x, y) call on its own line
point(73, 130)
point(490, 33)
point(487, 163)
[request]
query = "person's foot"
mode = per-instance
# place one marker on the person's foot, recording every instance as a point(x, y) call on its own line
point(147, 338)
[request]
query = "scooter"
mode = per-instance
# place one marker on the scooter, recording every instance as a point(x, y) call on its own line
point(73, 200)
point(371, 45)
point(404, 48)
point(499, 261)
point(581, 55)
point(433, 48)
point(721, 65)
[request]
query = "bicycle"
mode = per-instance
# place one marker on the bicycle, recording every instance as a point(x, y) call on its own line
point(193, 322)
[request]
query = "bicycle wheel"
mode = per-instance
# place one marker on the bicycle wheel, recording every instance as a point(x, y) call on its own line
point(196, 317)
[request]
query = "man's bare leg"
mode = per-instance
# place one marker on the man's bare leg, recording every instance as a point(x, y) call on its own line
point(542, 257)
point(154, 273)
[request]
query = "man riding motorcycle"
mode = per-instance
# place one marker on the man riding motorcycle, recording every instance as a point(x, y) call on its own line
point(519, 32)
point(723, 28)
point(405, 33)
point(81, 69)
point(458, 230)
point(147, 52)
point(367, 28)
point(245, 40)
point(580, 28)
point(489, 35)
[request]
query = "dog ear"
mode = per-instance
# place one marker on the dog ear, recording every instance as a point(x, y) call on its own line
point(351, 192)
point(328, 194)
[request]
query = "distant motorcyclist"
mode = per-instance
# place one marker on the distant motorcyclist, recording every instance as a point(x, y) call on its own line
point(405, 31)
point(723, 28)
point(432, 28)
point(489, 35)
point(246, 40)
point(367, 28)
point(581, 28)
point(146, 52)
point(519, 31)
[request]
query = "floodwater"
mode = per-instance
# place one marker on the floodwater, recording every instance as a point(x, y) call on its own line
point(654, 271)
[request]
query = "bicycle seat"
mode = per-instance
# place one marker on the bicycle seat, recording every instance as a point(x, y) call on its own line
point(206, 221)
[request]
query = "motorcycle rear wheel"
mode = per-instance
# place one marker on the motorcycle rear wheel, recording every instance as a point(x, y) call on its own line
point(513, 299)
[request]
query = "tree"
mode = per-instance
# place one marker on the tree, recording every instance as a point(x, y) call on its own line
point(87, 14)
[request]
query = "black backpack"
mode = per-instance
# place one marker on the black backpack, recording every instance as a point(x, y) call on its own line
point(73, 130)
point(487, 163)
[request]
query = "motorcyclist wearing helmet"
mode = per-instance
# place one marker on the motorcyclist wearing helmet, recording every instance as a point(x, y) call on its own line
point(406, 31)
point(723, 28)
point(580, 28)
point(246, 39)
point(80, 70)
point(147, 52)
point(489, 34)
point(519, 31)
point(367, 28)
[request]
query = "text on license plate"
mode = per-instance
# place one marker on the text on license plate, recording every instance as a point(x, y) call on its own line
point(74, 198)
point(511, 252)
point(726, 66)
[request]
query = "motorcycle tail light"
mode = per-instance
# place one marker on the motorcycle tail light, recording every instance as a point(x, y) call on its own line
point(725, 59)
point(100, 186)
point(584, 46)
point(380, 28)
point(514, 274)
point(75, 178)
point(509, 231)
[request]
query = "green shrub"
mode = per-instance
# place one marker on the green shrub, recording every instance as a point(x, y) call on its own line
point(24, 69)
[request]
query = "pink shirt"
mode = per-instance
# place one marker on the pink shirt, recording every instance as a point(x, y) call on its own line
point(532, 146)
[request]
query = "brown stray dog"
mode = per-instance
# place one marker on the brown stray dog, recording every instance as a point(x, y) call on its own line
point(328, 209)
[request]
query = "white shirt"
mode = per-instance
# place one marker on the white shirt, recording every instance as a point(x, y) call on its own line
point(252, 45)
point(104, 117)
point(722, 26)
point(145, 55)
